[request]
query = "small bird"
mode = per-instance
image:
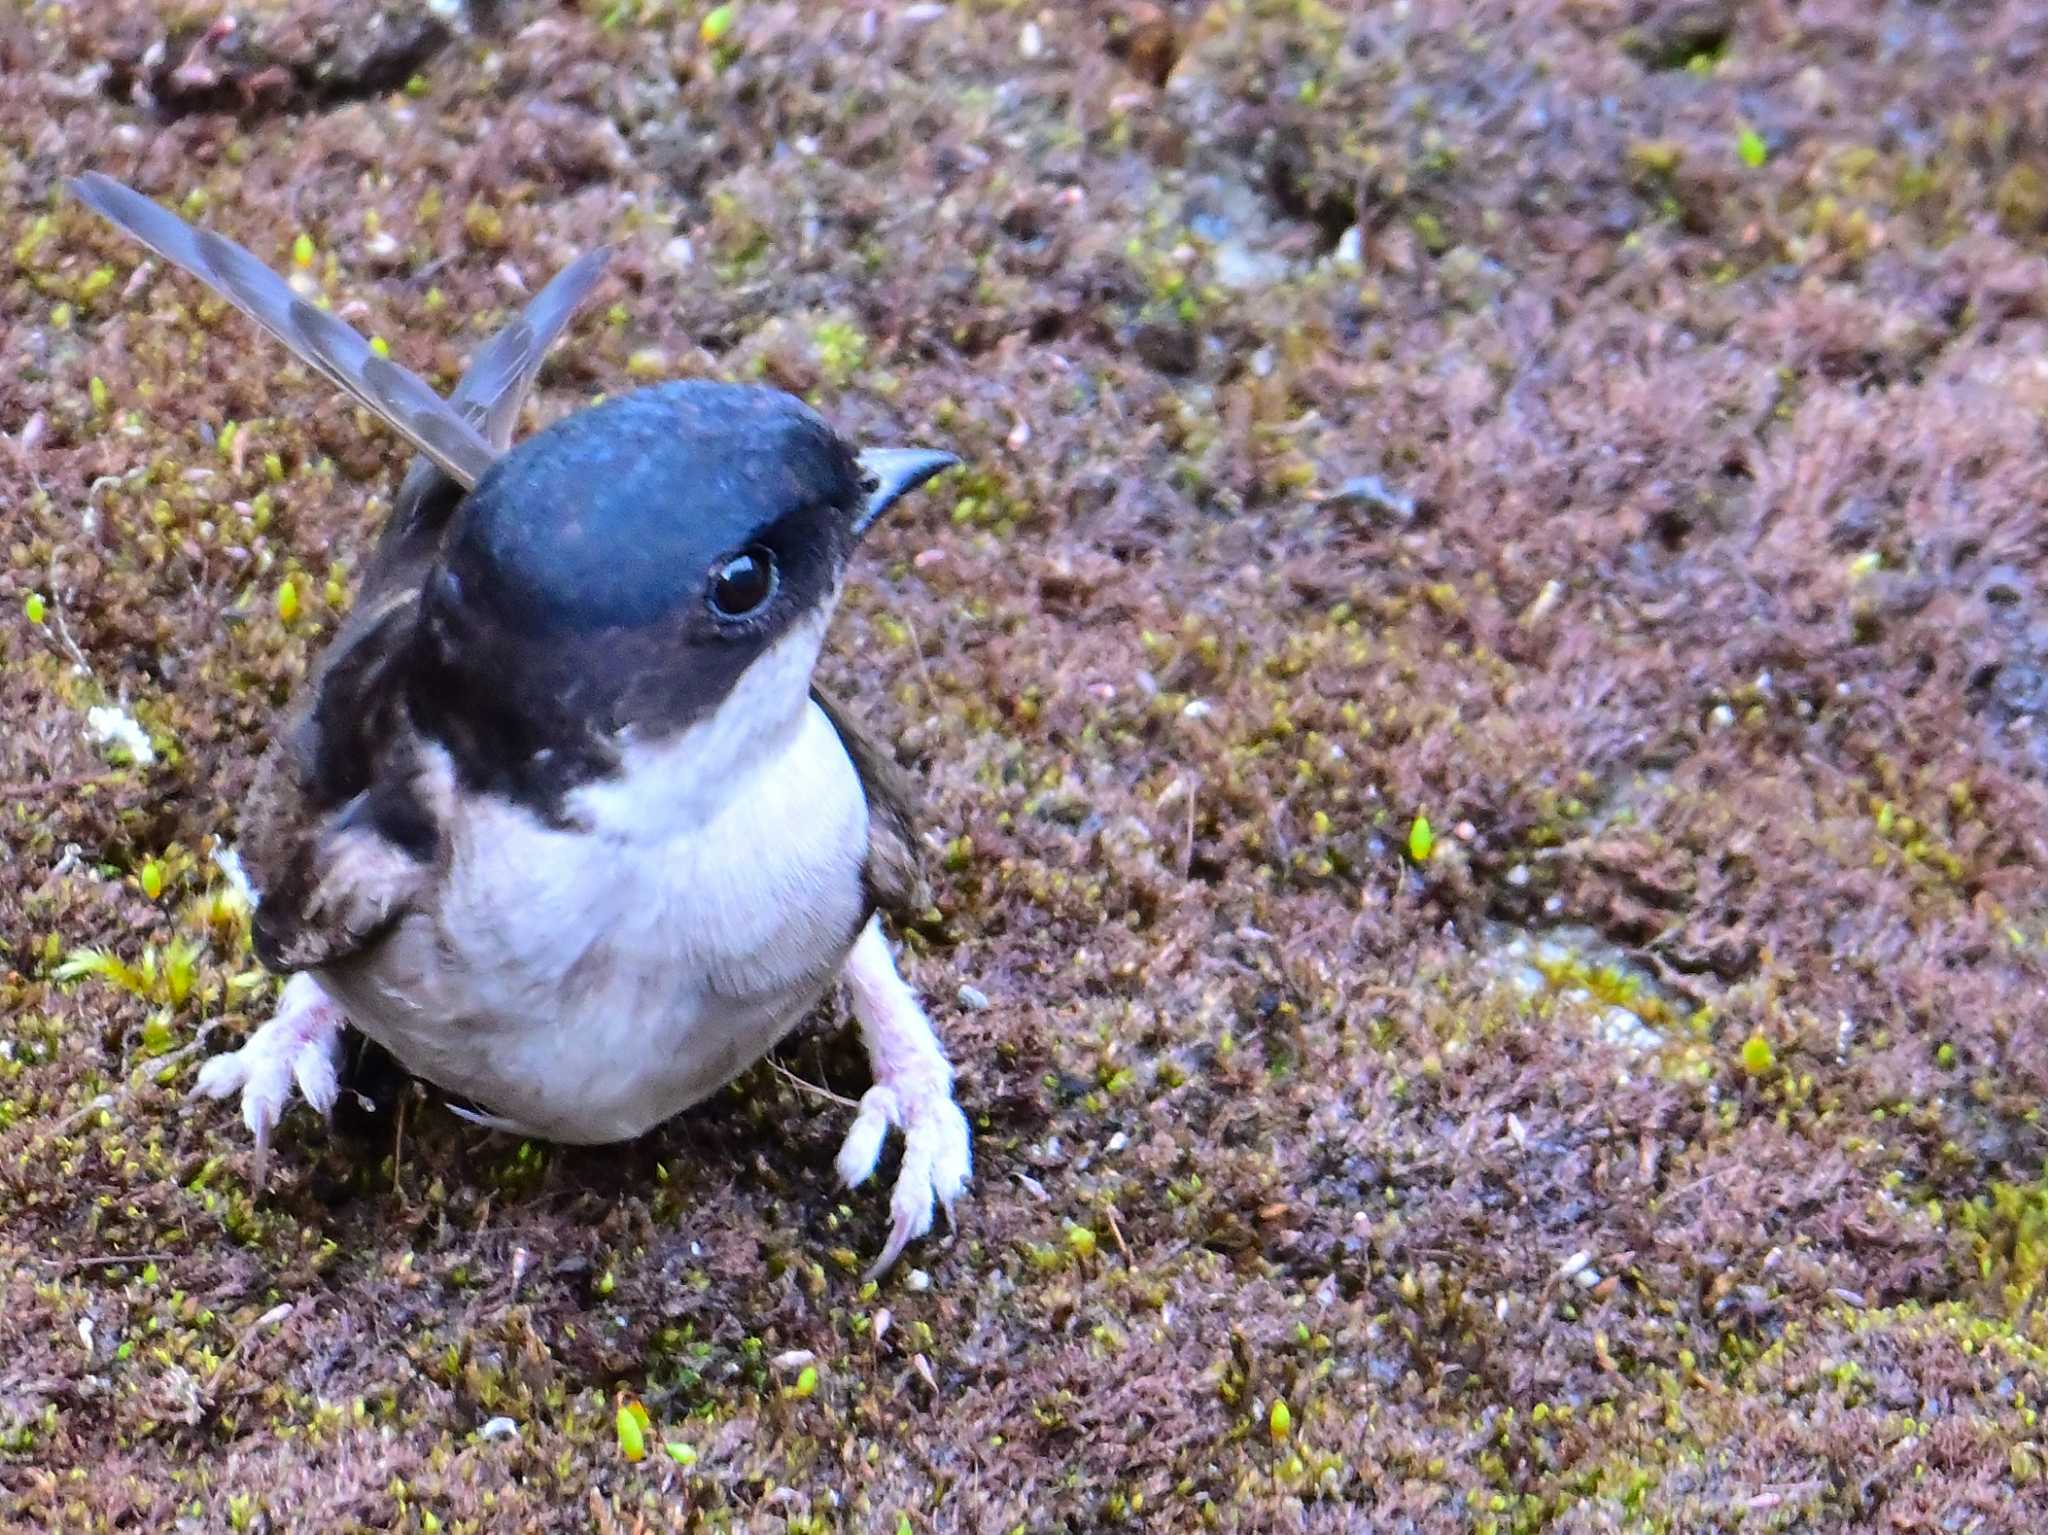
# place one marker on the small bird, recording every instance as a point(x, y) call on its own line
point(559, 818)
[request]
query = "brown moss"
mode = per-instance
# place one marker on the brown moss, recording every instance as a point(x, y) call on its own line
point(1692, 596)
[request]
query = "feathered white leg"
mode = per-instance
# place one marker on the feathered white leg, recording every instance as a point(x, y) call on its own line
point(302, 1043)
point(913, 1091)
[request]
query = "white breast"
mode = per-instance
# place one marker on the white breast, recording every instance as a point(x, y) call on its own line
point(586, 984)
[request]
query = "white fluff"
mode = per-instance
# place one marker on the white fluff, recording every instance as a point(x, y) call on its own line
point(106, 725)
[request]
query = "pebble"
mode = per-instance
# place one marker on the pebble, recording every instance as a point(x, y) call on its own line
point(1368, 492)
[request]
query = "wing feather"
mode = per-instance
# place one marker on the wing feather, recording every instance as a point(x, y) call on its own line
point(336, 351)
point(496, 383)
point(489, 397)
point(895, 873)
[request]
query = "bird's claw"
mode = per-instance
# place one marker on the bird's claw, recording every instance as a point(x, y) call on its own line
point(302, 1044)
point(936, 1156)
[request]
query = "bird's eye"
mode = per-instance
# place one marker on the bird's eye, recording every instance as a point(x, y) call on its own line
point(742, 585)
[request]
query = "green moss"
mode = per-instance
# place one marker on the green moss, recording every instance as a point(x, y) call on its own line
point(2021, 200)
point(842, 351)
point(1421, 839)
point(2007, 1229)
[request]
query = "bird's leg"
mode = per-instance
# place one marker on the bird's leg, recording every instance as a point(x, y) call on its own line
point(302, 1042)
point(913, 1091)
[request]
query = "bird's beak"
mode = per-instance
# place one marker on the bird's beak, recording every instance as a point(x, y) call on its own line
point(889, 474)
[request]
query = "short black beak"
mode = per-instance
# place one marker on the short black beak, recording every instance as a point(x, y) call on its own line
point(889, 474)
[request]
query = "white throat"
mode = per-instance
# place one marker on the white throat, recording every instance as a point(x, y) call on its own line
point(690, 777)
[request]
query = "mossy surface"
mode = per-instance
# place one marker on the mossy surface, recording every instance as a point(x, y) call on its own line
point(1480, 695)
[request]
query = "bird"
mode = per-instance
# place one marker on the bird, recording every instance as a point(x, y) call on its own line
point(560, 818)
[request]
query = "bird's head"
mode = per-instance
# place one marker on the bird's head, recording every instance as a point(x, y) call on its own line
point(654, 561)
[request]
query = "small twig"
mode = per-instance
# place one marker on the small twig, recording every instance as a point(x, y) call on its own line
point(924, 676)
point(158, 1064)
point(26, 788)
point(1664, 937)
point(269, 1318)
point(1116, 1234)
point(398, 1151)
point(1703, 1181)
point(811, 1087)
point(79, 1115)
point(63, 629)
point(142, 1074)
point(1670, 975)
point(111, 1260)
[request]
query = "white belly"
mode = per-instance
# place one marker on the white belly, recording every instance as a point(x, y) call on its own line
point(586, 985)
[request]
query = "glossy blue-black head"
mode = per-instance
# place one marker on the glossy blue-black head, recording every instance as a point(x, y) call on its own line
point(625, 513)
point(626, 566)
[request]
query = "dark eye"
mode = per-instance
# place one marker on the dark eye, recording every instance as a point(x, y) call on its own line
point(742, 584)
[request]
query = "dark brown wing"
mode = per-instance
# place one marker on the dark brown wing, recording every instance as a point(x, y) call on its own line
point(399, 397)
point(340, 833)
point(895, 869)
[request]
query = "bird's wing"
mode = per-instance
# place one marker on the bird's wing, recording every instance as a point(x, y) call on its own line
point(399, 396)
point(504, 368)
point(895, 875)
point(341, 829)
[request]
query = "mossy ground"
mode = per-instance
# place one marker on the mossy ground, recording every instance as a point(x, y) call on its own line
point(1648, 493)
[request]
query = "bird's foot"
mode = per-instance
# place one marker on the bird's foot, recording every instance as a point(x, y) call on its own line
point(302, 1043)
point(936, 1158)
point(913, 1091)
